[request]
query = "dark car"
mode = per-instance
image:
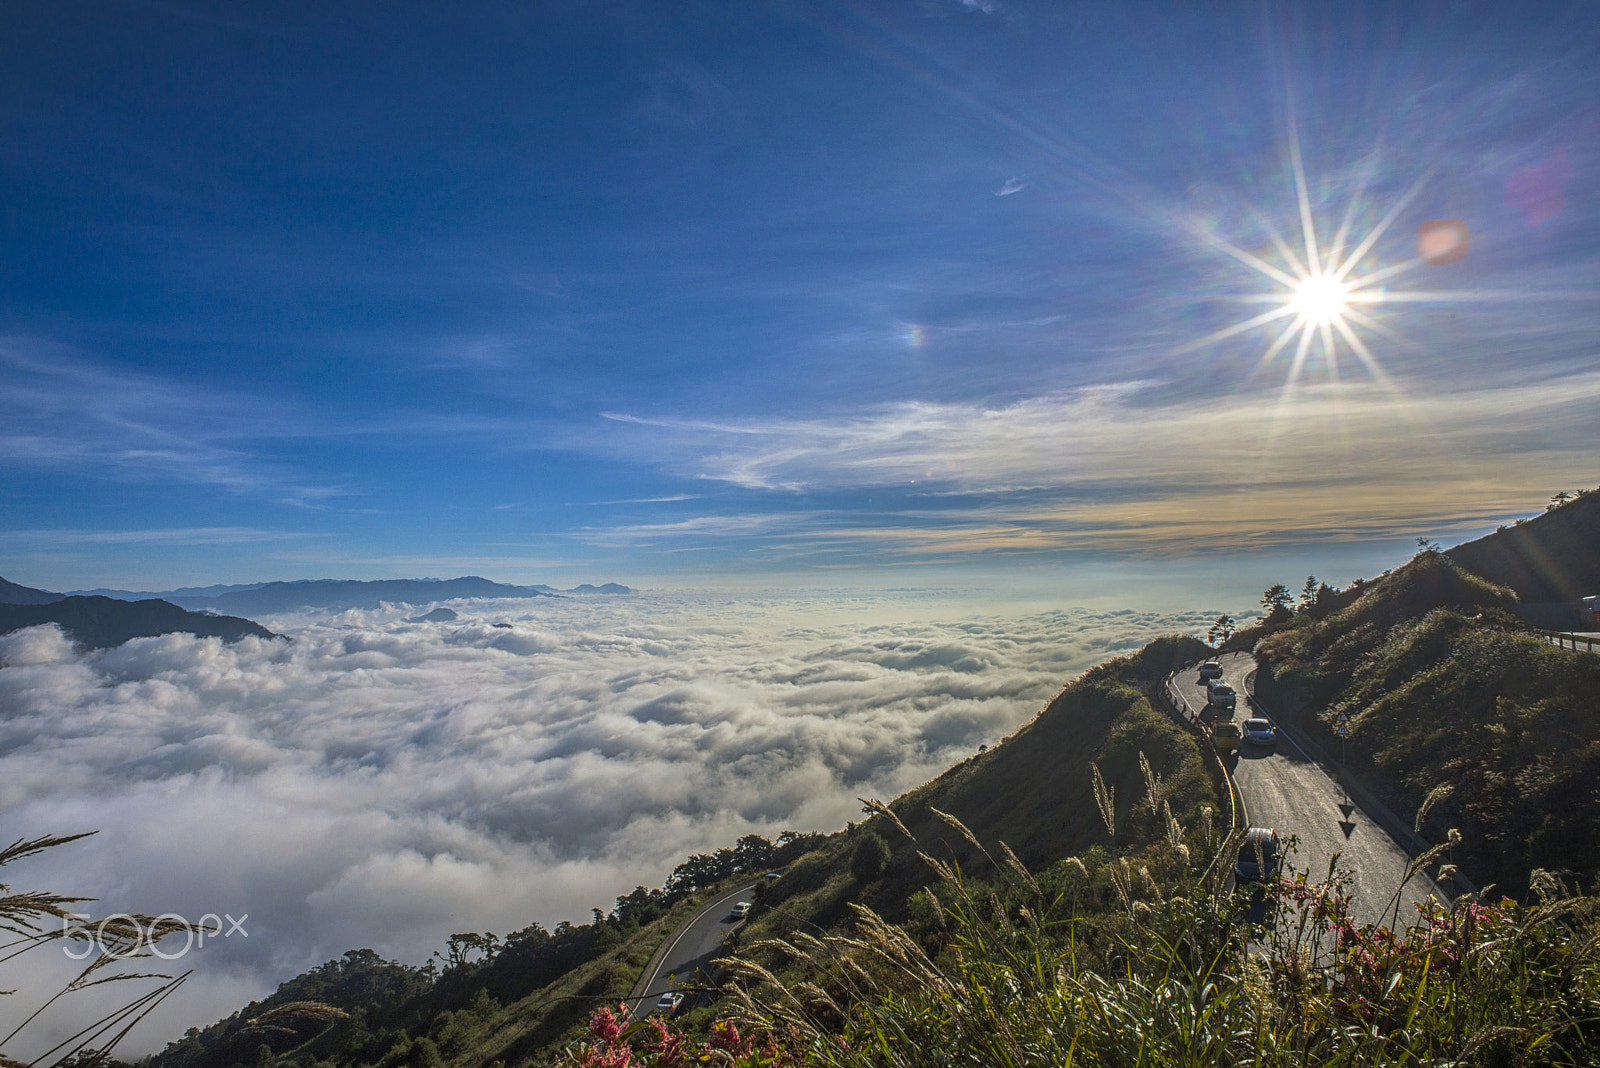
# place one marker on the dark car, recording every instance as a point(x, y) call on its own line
point(1260, 857)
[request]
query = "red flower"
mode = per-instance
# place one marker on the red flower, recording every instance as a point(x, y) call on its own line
point(606, 1027)
point(725, 1036)
point(666, 1046)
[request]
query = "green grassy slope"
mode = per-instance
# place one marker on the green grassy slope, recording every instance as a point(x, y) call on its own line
point(533, 991)
point(1032, 792)
point(1549, 560)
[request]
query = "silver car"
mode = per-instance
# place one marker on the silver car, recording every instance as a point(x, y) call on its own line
point(1260, 731)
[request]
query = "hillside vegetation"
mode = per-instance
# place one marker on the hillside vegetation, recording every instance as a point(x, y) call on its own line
point(483, 999)
point(1550, 560)
point(1034, 792)
point(1440, 685)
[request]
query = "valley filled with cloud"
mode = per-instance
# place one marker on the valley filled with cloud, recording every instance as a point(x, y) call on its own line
point(380, 783)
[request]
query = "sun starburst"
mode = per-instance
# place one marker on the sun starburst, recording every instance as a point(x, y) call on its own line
point(1320, 290)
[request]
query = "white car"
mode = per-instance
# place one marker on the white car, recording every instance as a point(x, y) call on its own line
point(741, 910)
point(669, 1002)
point(1260, 731)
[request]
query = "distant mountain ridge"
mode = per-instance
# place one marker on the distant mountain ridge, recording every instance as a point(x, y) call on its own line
point(355, 593)
point(610, 587)
point(215, 590)
point(262, 597)
point(105, 623)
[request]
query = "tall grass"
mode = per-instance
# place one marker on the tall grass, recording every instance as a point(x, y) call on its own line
point(1172, 973)
point(40, 919)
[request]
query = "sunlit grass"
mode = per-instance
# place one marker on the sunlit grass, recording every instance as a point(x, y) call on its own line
point(1165, 971)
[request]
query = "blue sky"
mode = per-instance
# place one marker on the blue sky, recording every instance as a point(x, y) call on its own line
point(784, 292)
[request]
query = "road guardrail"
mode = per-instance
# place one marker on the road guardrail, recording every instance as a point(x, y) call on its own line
point(1178, 705)
point(1564, 637)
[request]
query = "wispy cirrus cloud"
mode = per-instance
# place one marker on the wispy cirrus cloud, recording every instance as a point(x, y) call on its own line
point(61, 409)
point(1140, 465)
point(669, 499)
point(167, 536)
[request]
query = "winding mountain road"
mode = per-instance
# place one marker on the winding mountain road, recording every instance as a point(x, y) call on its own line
point(689, 952)
point(1286, 790)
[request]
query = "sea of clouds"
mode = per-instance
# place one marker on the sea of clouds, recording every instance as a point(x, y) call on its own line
point(380, 783)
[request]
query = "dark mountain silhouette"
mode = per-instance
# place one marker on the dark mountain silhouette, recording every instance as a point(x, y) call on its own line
point(105, 622)
point(610, 587)
point(11, 593)
point(1550, 561)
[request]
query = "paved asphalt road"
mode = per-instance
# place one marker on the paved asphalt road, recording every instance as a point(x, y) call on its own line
point(1285, 790)
point(692, 948)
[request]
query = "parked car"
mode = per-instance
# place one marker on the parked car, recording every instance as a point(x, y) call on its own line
point(1225, 736)
point(669, 1002)
point(1260, 731)
point(1261, 856)
point(1210, 670)
point(741, 910)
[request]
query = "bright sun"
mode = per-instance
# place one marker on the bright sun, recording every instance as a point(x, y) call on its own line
point(1322, 288)
point(1320, 299)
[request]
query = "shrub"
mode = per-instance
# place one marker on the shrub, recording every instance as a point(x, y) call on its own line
point(870, 858)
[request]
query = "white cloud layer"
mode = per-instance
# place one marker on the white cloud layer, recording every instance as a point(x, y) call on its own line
point(382, 783)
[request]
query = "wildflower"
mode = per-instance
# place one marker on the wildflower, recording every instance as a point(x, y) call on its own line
point(605, 1026)
point(609, 1051)
point(725, 1036)
point(666, 1045)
